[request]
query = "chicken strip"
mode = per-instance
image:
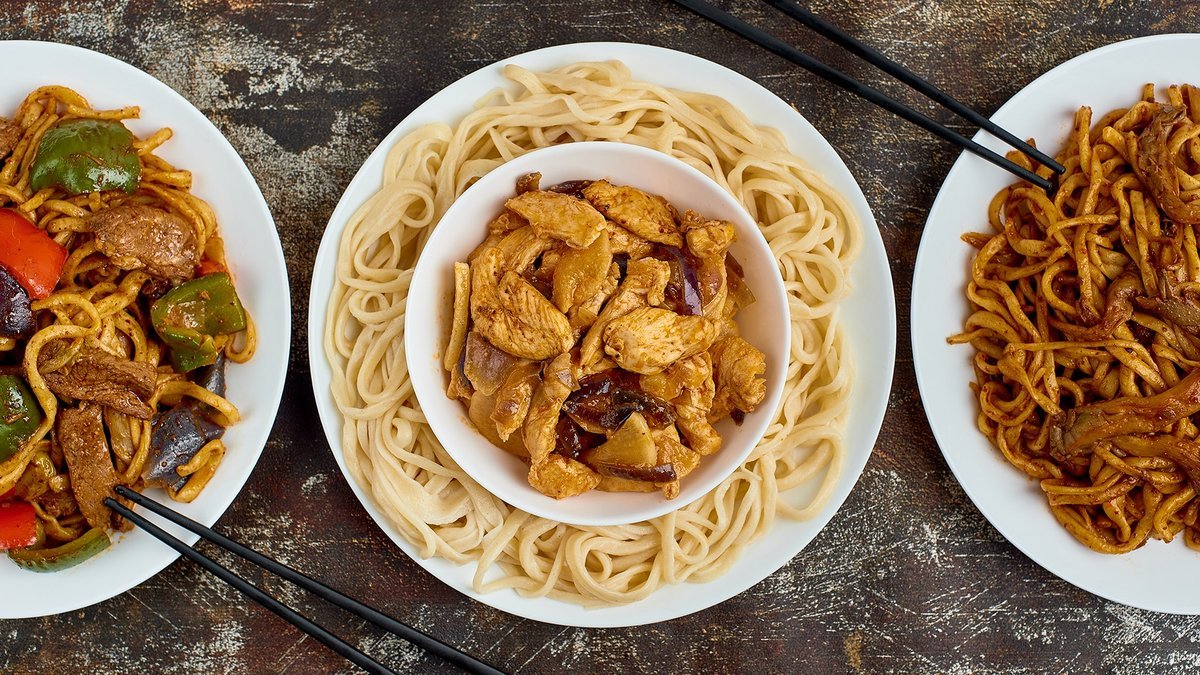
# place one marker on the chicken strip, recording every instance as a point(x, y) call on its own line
point(513, 399)
point(648, 216)
point(738, 368)
point(515, 251)
point(672, 451)
point(560, 477)
point(644, 285)
point(510, 313)
point(558, 381)
point(649, 339)
point(506, 222)
point(585, 314)
point(707, 238)
point(559, 216)
point(621, 240)
point(580, 273)
point(688, 385)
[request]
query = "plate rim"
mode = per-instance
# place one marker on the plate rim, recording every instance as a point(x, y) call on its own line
point(274, 256)
point(872, 240)
point(925, 254)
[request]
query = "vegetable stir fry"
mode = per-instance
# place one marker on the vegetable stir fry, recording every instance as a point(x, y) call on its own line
point(118, 315)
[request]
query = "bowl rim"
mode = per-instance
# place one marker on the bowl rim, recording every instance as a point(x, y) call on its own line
point(432, 398)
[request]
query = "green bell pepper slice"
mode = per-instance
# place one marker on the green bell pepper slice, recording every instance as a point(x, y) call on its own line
point(82, 156)
point(191, 314)
point(62, 557)
point(20, 415)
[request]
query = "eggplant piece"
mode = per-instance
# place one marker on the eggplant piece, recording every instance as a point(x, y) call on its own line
point(16, 315)
point(212, 377)
point(180, 432)
point(622, 260)
point(683, 290)
point(607, 399)
point(178, 435)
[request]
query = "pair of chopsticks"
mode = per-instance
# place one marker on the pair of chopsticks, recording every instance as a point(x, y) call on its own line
point(426, 642)
point(877, 59)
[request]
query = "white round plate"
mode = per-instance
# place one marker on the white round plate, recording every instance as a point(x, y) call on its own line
point(869, 316)
point(1105, 79)
point(256, 259)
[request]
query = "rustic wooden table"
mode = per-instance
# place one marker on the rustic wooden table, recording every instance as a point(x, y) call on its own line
point(907, 577)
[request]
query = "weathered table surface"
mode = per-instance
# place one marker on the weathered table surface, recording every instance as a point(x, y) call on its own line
point(907, 577)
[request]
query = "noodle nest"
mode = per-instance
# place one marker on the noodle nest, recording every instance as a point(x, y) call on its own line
point(392, 452)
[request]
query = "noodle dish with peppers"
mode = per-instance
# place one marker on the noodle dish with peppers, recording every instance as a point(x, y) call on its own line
point(118, 315)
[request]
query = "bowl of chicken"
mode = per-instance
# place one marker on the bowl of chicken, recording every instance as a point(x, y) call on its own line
point(601, 334)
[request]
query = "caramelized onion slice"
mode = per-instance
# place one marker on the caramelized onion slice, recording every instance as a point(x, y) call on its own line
point(573, 441)
point(662, 473)
point(604, 402)
point(1083, 426)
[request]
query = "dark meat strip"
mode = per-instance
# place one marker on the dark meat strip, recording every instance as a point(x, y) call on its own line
point(81, 437)
point(134, 236)
point(122, 385)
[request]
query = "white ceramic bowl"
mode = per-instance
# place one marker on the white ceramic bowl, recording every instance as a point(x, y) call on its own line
point(427, 324)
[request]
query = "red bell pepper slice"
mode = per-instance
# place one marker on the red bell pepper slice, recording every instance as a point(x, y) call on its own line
point(29, 254)
point(18, 526)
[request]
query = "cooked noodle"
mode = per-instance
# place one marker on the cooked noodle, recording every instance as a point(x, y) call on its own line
point(392, 452)
point(1080, 316)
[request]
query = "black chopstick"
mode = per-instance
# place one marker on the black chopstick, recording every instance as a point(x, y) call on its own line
point(253, 592)
point(898, 71)
point(426, 642)
point(783, 49)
